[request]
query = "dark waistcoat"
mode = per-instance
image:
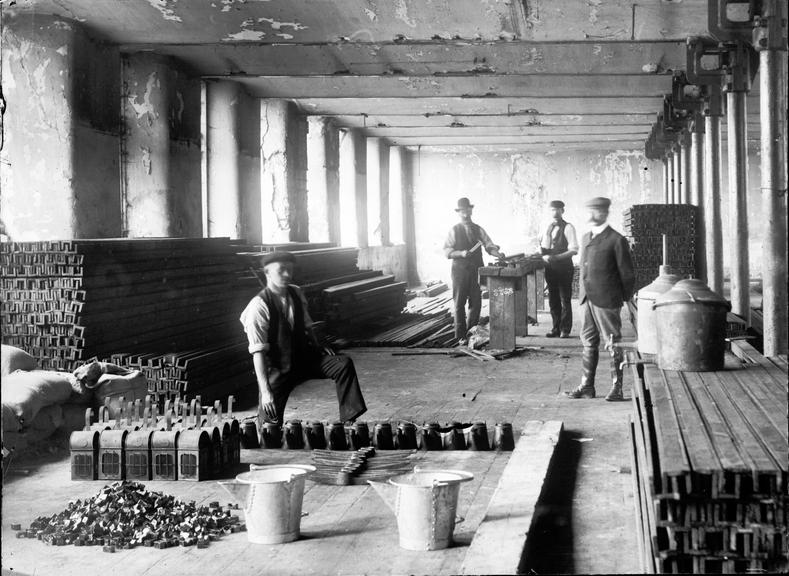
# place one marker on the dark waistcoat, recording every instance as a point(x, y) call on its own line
point(464, 242)
point(285, 343)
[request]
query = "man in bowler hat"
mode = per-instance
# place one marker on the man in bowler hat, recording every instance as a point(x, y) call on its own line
point(284, 349)
point(607, 282)
point(558, 246)
point(463, 246)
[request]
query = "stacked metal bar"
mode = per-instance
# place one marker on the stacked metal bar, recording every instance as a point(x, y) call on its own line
point(131, 301)
point(364, 300)
point(710, 467)
point(645, 225)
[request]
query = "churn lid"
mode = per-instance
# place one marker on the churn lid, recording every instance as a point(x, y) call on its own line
point(694, 291)
point(659, 285)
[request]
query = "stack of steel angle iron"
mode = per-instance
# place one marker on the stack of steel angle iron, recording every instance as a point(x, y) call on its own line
point(335, 289)
point(645, 225)
point(709, 458)
point(426, 322)
point(139, 302)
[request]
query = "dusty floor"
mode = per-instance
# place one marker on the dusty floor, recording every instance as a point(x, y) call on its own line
point(585, 521)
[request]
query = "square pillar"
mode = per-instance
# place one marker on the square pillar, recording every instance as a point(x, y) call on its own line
point(323, 180)
point(283, 173)
point(378, 191)
point(353, 188)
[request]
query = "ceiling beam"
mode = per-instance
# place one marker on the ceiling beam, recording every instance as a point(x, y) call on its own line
point(426, 58)
point(469, 86)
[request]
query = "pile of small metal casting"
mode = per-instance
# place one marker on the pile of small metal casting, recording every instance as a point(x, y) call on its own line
point(125, 515)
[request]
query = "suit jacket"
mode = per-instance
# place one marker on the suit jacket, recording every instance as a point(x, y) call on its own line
point(607, 277)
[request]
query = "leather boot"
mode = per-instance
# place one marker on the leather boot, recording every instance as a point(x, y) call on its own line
point(615, 394)
point(586, 388)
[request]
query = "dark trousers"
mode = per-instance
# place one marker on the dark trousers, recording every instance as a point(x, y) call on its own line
point(465, 286)
point(339, 368)
point(559, 278)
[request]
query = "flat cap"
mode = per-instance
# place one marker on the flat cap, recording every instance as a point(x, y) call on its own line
point(277, 256)
point(556, 204)
point(599, 202)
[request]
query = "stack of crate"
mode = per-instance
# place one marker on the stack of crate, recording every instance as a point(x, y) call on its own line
point(645, 225)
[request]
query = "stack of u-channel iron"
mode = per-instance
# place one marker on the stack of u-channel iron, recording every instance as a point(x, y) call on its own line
point(710, 469)
point(138, 302)
point(645, 225)
point(336, 290)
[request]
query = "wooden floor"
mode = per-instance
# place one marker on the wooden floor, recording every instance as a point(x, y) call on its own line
point(584, 522)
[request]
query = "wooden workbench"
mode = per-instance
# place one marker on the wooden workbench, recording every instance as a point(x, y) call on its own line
point(515, 293)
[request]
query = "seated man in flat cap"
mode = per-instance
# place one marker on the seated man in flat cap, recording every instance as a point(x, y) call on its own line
point(284, 349)
point(558, 245)
point(464, 247)
point(607, 281)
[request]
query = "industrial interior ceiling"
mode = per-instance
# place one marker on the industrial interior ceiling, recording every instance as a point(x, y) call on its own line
point(482, 75)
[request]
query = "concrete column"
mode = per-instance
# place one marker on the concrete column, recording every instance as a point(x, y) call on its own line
point(378, 191)
point(147, 79)
point(283, 173)
point(687, 172)
point(666, 180)
point(672, 188)
point(59, 166)
point(323, 180)
point(738, 203)
point(678, 184)
point(353, 188)
point(697, 198)
point(223, 196)
point(772, 112)
point(712, 203)
point(397, 160)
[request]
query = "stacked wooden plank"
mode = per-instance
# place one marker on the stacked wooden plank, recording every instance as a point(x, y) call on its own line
point(645, 225)
point(710, 469)
point(69, 301)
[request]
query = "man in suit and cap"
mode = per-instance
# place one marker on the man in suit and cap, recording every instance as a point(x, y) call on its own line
point(558, 245)
point(284, 349)
point(607, 281)
point(464, 247)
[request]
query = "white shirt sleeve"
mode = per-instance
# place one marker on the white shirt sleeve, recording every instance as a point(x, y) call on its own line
point(572, 238)
point(255, 319)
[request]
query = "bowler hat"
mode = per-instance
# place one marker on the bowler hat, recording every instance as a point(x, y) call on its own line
point(556, 204)
point(463, 204)
point(276, 256)
point(599, 202)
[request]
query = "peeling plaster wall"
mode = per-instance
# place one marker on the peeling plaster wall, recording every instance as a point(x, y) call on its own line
point(323, 180)
point(161, 112)
point(58, 168)
point(223, 158)
point(511, 192)
point(283, 172)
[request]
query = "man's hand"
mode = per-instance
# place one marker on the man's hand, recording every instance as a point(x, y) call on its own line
point(548, 258)
point(267, 407)
point(463, 253)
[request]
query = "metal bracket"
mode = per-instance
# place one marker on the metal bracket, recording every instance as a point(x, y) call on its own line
point(740, 63)
point(721, 24)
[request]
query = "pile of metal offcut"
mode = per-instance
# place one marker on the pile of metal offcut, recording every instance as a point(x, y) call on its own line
point(125, 515)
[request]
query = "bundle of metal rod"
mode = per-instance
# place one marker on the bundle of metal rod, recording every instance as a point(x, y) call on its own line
point(645, 226)
point(710, 468)
point(65, 302)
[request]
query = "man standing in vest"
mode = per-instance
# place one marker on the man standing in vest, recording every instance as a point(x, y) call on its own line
point(284, 349)
point(558, 245)
point(607, 282)
point(464, 247)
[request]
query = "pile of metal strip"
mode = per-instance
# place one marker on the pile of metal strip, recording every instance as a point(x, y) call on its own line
point(426, 323)
point(130, 301)
point(645, 225)
point(338, 468)
point(709, 456)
